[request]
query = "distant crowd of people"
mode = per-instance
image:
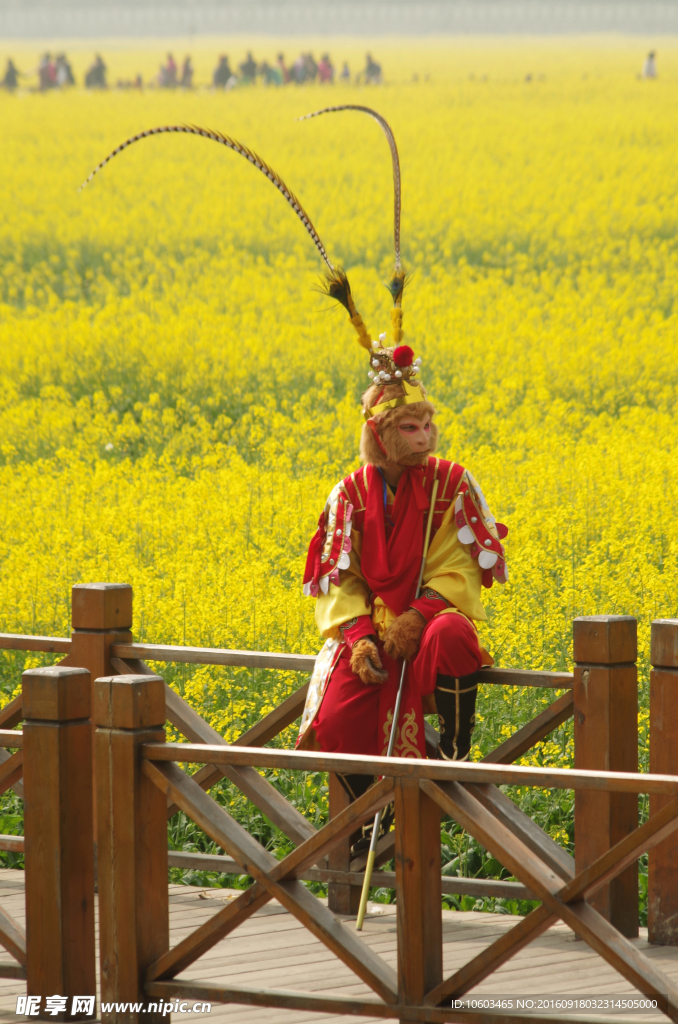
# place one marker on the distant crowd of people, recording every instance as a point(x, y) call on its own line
point(169, 76)
point(51, 72)
point(55, 72)
point(302, 70)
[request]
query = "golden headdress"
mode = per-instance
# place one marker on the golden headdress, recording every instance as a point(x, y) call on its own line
point(394, 364)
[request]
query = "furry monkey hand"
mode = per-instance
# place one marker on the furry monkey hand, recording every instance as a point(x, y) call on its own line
point(366, 663)
point(403, 636)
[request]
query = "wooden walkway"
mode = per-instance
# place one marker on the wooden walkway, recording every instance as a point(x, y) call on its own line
point(272, 950)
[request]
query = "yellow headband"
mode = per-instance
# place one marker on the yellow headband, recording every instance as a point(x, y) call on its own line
point(411, 396)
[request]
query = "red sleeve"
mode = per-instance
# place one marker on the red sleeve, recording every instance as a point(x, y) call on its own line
point(430, 603)
point(356, 629)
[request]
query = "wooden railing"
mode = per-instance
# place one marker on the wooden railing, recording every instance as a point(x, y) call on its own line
point(422, 790)
point(102, 616)
point(601, 693)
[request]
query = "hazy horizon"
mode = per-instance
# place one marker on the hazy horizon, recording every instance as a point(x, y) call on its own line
point(43, 19)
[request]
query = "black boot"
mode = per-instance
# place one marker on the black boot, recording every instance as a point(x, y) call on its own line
point(362, 845)
point(456, 704)
point(355, 786)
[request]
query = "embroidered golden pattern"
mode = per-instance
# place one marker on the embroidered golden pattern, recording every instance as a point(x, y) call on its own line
point(406, 741)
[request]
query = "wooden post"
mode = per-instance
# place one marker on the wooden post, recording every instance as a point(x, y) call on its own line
point(101, 615)
point(341, 898)
point(662, 881)
point(606, 739)
point(418, 894)
point(58, 836)
point(132, 840)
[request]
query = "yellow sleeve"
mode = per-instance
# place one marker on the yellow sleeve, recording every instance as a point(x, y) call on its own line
point(452, 571)
point(347, 601)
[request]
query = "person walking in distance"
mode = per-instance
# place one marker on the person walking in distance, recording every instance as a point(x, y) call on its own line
point(186, 81)
point(325, 70)
point(650, 65)
point(11, 79)
point(283, 69)
point(222, 73)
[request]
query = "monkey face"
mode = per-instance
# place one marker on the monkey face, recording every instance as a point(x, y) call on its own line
point(405, 435)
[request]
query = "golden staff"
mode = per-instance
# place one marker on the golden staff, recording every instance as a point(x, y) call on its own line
point(369, 867)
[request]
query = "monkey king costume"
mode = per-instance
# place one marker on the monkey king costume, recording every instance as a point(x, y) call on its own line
point(363, 562)
point(363, 565)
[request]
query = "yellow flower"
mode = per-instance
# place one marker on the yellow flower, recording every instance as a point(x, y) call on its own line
point(176, 402)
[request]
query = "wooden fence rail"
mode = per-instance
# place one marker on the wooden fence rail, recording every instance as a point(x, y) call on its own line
point(138, 785)
point(258, 659)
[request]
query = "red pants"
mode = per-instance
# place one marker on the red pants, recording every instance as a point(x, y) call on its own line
point(355, 717)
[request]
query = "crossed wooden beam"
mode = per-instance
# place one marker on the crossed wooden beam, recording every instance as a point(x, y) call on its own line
point(473, 806)
point(506, 753)
point(273, 879)
point(482, 810)
point(290, 821)
point(257, 789)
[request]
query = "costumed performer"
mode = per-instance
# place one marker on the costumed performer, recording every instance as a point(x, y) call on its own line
point(363, 565)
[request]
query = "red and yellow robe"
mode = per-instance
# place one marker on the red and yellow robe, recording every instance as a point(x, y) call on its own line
point(363, 565)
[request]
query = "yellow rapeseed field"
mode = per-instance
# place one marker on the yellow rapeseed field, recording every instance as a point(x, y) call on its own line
point(176, 400)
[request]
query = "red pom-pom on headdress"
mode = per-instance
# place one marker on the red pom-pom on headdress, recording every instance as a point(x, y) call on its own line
point(403, 355)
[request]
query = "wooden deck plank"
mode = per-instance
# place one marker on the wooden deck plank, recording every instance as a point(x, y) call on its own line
point(273, 950)
point(312, 971)
point(457, 930)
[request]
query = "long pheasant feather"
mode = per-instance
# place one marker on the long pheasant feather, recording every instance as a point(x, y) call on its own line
point(386, 128)
point(243, 151)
